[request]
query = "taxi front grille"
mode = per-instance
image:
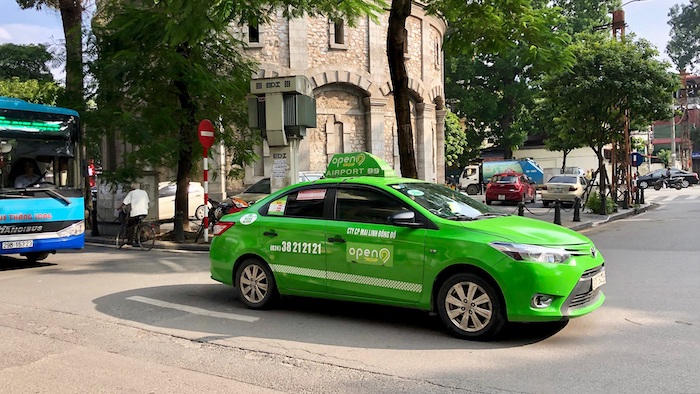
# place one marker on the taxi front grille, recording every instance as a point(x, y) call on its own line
point(584, 299)
point(582, 295)
point(587, 274)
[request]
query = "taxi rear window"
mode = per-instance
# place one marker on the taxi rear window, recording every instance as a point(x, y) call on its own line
point(307, 203)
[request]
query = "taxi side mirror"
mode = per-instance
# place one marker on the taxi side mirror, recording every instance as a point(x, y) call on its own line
point(404, 219)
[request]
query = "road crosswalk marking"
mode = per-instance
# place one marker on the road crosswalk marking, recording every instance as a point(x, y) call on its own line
point(682, 197)
point(669, 198)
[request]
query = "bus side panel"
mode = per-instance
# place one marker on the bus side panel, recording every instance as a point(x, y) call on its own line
point(41, 224)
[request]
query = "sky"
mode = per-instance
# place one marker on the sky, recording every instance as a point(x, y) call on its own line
point(646, 18)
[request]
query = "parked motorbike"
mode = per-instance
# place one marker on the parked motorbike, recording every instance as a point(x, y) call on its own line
point(218, 209)
point(199, 212)
point(676, 182)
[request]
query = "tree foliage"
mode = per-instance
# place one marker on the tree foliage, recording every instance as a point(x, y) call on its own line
point(25, 62)
point(24, 74)
point(459, 144)
point(71, 18)
point(608, 79)
point(163, 66)
point(582, 16)
point(31, 90)
point(490, 80)
point(684, 45)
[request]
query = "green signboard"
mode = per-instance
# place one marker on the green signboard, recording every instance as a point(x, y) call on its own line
point(358, 164)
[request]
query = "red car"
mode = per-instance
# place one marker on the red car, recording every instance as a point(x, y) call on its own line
point(510, 186)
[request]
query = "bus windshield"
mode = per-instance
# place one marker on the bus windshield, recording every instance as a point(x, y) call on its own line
point(40, 147)
point(41, 179)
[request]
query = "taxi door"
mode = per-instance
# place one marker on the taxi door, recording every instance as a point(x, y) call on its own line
point(292, 234)
point(366, 256)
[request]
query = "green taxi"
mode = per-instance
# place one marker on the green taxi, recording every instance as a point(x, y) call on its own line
point(363, 234)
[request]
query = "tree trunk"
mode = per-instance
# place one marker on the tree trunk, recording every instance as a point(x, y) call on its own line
point(72, 18)
point(603, 177)
point(396, 41)
point(187, 138)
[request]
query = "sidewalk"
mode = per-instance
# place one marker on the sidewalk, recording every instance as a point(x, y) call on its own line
point(536, 211)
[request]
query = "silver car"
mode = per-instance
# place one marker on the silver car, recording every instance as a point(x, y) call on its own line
point(565, 188)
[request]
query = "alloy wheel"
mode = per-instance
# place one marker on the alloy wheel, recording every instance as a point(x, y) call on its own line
point(468, 306)
point(254, 283)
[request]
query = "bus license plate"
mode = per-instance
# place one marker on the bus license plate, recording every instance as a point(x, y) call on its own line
point(17, 244)
point(598, 280)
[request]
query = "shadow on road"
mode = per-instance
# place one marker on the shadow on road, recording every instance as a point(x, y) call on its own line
point(8, 263)
point(212, 313)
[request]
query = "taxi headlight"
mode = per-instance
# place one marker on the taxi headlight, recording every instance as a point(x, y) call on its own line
point(73, 229)
point(533, 253)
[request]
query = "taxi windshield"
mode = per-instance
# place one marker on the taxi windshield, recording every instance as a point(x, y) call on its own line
point(445, 202)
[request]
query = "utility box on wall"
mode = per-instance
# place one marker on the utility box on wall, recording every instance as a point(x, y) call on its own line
point(299, 114)
point(299, 111)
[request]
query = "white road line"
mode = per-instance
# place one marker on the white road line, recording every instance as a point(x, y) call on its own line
point(669, 198)
point(692, 197)
point(172, 265)
point(193, 310)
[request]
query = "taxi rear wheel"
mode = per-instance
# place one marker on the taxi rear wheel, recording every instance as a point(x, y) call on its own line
point(470, 307)
point(256, 285)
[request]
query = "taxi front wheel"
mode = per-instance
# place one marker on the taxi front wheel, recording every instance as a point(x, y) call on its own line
point(256, 285)
point(470, 307)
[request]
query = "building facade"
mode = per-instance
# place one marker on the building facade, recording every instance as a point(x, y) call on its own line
point(349, 72)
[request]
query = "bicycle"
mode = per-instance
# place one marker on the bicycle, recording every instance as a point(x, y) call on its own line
point(145, 233)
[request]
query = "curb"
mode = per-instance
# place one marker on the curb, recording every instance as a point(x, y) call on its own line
point(158, 244)
point(615, 216)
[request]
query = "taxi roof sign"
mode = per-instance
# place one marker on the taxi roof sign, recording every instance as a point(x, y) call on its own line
point(358, 164)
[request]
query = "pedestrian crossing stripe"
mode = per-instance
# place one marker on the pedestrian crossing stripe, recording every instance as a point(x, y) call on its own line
point(350, 278)
point(672, 198)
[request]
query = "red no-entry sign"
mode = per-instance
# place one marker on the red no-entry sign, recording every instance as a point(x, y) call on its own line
point(206, 133)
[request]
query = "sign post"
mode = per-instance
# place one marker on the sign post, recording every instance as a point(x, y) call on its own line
point(206, 138)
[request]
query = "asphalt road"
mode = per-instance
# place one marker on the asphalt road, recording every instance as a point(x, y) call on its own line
point(102, 320)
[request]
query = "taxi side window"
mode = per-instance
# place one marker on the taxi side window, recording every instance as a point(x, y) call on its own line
point(303, 204)
point(366, 206)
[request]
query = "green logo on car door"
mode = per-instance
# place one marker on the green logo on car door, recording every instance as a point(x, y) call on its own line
point(370, 254)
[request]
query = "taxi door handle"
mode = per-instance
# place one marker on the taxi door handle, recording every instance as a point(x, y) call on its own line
point(336, 239)
point(271, 233)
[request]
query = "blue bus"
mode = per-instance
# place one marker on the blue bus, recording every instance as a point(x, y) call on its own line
point(42, 208)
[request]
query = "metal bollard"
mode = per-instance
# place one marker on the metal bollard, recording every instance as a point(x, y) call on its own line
point(557, 212)
point(179, 231)
point(603, 205)
point(626, 200)
point(641, 196)
point(636, 196)
point(577, 210)
point(93, 219)
point(521, 209)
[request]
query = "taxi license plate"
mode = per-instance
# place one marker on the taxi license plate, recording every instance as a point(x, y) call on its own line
point(501, 197)
point(17, 244)
point(598, 280)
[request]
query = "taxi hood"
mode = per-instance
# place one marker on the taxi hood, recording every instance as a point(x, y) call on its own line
point(519, 229)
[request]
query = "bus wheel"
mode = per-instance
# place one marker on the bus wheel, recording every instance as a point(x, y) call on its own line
point(33, 257)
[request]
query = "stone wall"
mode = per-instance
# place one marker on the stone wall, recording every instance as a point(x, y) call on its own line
point(352, 87)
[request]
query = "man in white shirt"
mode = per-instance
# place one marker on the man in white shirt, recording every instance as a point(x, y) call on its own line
point(138, 199)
